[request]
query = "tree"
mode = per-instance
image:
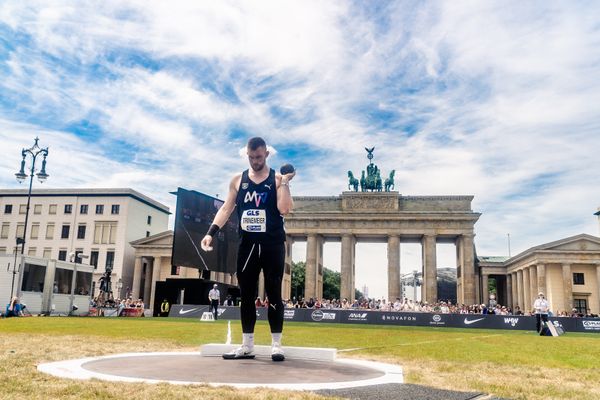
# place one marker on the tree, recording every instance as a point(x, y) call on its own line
point(298, 278)
point(331, 282)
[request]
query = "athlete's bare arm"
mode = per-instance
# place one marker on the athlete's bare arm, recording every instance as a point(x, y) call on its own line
point(285, 204)
point(225, 210)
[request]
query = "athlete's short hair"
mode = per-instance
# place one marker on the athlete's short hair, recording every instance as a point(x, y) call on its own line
point(256, 142)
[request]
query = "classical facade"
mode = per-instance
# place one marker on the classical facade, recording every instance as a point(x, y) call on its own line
point(383, 217)
point(567, 271)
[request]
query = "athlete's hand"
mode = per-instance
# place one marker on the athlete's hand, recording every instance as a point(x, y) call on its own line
point(205, 243)
point(288, 177)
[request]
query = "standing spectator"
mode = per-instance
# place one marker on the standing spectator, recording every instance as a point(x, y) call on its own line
point(164, 308)
point(214, 296)
point(540, 305)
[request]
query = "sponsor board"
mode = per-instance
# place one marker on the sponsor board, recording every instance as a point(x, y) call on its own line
point(318, 316)
point(512, 321)
point(471, 321)
point(591, 325)
point(436, 320)
point(289, 314)
point(358, 317)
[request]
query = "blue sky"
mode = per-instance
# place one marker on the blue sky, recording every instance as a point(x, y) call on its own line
point(500, 100)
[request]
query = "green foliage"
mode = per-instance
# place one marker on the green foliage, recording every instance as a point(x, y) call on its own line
point(298, 278)
point(331, 284)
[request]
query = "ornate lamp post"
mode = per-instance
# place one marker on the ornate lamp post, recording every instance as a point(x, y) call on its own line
point(34, 151)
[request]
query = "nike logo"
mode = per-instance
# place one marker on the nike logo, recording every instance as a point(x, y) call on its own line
point(181, 312)
point(469, 322)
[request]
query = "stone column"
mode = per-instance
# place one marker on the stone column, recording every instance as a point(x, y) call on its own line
point(147, 283)
point(526, 295)
point(310, 276)
point(156, 264)
point(533, 284)
point(520, 289)
point(286, 284)
point(429, 269)
point(515, 296)
point(597, 289)
point(567, 287)
point(541, 279)
point(468, 270)
point(485, 289)
point(347, 268)
point(393, 253)
point(319, 271)
point(137, 278)
point(509, 297)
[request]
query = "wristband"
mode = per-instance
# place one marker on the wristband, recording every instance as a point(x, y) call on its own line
point(282, 183)
point(214, 228)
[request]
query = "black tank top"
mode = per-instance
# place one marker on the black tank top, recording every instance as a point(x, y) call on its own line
point(259, 218)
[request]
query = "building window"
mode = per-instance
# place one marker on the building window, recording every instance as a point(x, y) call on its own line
point(174, 270)
point(105, 233)
point(114, 209)
point(68, 208)
point(64, 234)
point(580, 305)
point(31, 251)
point(20, 231)
point(62, 255)
point(50, 231)
point(147, 233)
point(110, 259)
point(63, 279)
point(35, 231)
point(94, 258)
point(22, 208)
point(99, 209)
point(33, 278)
point(37, 209)
point(47, 253)
point(83, 209)
point(81, 232)
point(578, 278)
point(8, 209)
point(2, 251)
point(149, 221)
point(84, 281)
point(78, 259)
point(4, 232)
point(52, 209)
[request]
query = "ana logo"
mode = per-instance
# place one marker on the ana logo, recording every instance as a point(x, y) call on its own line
point(357, 316)
point(256, 197)
point(511, 321)
point(437, 318)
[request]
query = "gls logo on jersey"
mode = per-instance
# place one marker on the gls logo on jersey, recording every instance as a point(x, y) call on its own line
point(256, 197)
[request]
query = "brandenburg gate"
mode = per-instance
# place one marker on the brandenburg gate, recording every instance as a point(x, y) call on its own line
point(387, 217)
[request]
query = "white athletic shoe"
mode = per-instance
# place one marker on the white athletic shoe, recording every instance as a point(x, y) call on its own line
point(277, 353)
point(242, 352)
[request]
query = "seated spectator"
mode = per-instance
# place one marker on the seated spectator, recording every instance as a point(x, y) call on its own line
point(14, 308)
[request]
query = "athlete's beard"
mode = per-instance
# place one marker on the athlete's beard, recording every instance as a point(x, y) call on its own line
point(258, 167)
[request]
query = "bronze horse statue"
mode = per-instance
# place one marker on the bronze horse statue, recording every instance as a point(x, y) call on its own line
point(389, 182)
point(352, 182)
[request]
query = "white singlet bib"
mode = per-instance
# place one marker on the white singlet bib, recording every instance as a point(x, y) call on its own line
point(254, 221)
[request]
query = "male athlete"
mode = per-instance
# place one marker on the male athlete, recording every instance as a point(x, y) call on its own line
point(261, 197)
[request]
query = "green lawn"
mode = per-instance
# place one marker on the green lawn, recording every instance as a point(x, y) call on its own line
point(513, 364)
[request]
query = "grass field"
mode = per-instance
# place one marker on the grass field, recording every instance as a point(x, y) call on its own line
point(518, 365)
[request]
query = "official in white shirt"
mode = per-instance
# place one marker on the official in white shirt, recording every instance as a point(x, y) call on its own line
point(214, 296)
point(541, 306)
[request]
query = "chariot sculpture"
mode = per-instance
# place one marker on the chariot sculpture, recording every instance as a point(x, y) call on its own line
point(371, 181)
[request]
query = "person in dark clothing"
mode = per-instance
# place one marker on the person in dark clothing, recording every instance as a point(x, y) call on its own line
point(262, 197)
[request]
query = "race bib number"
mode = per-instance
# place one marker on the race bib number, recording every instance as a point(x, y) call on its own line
point(254, 221)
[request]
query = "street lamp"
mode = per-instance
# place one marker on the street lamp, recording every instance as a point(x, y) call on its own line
point(34, 151)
